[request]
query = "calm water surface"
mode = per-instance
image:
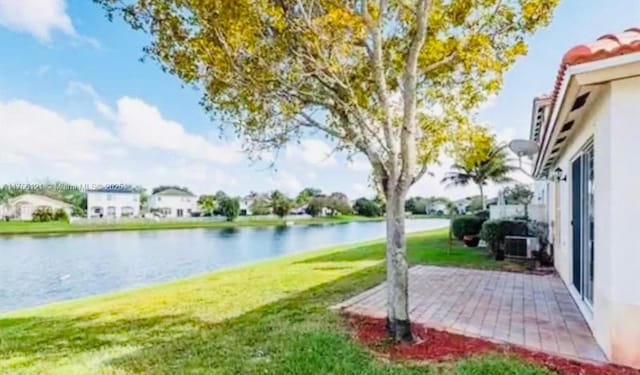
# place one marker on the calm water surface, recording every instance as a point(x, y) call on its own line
point(43, 269)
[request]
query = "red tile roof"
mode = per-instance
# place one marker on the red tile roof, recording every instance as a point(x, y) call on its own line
point(607, 46)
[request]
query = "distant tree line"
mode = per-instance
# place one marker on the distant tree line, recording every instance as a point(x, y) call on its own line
point(311, 201)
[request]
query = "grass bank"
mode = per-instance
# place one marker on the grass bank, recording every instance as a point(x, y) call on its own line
point(27, 227)
point(267, 318)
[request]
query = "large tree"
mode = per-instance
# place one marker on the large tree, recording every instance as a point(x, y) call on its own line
point(384, 78)
point(306, 194)
point(280, 204)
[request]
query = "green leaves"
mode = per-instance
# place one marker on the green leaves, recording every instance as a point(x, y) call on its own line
point(275, 71)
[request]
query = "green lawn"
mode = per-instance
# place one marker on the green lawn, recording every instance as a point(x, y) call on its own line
point(27, 227)
point(267, 318)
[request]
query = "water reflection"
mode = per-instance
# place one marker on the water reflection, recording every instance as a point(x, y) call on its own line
point(40, 269)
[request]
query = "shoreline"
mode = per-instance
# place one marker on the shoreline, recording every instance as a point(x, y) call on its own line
point(10, 229)
point(258, 264)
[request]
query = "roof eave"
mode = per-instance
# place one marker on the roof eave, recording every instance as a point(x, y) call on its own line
point(577, 74)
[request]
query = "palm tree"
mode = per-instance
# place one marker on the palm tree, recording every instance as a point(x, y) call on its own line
point(207, 204)
point(495, 167)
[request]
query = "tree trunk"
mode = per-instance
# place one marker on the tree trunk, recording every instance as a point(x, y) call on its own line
point(482, 202)
point(398, 325)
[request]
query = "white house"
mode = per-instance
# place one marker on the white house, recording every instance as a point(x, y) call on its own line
point(461, 205)
point(112, 203)
point(436, 208)
point(23, 206)
point(174, 203)
point(589, 133)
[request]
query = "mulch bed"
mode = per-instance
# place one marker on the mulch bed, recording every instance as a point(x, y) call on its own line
point(435, 346)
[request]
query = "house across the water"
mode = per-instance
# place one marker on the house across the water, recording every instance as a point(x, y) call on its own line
point(113, 203)
point(174, 203)
point(23, 206)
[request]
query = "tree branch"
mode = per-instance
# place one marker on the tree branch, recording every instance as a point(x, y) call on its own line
point(409, 85)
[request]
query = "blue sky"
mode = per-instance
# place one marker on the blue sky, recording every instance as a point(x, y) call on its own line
point(76, 104)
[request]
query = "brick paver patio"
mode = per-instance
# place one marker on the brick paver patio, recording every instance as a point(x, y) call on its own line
point(533, 311)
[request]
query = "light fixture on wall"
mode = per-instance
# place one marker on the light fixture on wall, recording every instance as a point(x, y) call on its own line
point(558, 175)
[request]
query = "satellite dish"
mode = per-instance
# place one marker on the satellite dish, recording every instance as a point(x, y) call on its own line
point(523, 147)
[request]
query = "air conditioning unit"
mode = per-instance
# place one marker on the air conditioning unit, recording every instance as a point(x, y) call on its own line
point(520, 246)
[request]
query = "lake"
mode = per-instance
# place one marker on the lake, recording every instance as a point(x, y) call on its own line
point(36, 270)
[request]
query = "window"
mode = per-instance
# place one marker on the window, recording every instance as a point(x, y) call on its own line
point(127, 211)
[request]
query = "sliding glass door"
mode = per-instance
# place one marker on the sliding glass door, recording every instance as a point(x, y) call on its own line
point(582, 188)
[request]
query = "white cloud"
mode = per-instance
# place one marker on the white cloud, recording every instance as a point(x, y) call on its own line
point(77, 87)
point(141, 125)
point(491, 102)
point(34, 132)
point(83, 88)
point(313, 152)
point(285, 182)
point(104, 109)
point(7, 157)
point(39, 143)
point(359, 190)
point(359, 164)
point(36, 17)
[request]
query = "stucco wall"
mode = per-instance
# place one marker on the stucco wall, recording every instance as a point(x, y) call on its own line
point(612, 123)
point(624, 206)
point(117, 200)
point(174, 202)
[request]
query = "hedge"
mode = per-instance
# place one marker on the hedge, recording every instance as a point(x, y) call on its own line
point(466, 225)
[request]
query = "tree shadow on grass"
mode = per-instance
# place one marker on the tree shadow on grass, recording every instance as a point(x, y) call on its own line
point(373, 252)
point(178, 343)
point(424, 249)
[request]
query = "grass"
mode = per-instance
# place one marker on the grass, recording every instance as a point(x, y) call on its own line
point(267, 318)
point(28, 227)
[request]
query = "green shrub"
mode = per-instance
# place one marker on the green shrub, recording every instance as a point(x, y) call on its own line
point(366, 207)
point(229, 207)
point(61, 215)
point(484, 214)
point(494, 231)
point(465, 225)
point(42, 214)
point(492, 234)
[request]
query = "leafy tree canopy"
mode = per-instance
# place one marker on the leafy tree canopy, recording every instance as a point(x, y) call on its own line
point(366, 207)
point(315, 206)
point(280, 204)
point(306, 194)
point(479, 159)
point(518, 194)
point(393, 80)
point(260, 206)
point(268, 67)
point(207, 204)
point(229, 208)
